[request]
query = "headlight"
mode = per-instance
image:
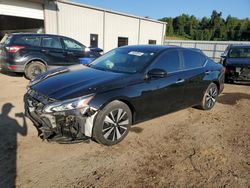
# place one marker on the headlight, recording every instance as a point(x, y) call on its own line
point(71, 104)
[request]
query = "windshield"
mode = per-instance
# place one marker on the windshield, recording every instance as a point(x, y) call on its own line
point(123, 60)
point(239, 53)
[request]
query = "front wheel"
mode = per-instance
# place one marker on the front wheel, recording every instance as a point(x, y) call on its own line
point(112, 123)
point(210, 97)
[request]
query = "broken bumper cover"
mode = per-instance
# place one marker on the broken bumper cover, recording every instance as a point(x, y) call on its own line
point(65, 126)
point(240, 74)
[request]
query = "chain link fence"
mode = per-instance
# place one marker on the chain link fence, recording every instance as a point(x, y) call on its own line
point(212, 49)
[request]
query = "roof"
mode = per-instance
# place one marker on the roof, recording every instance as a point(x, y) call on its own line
point(109, 11)
point(240, 46)
point(41, 34)
point(36, 34)
point(154, 48)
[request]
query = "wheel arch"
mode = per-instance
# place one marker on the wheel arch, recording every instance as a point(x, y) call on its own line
point(125, 101)
point(217, 84)
point(36, 59)
point(131, 107)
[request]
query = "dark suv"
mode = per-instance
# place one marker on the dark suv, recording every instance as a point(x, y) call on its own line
point(33, 54)
point(236, 60)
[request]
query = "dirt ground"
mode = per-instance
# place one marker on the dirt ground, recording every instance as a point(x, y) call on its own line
point(189, 148)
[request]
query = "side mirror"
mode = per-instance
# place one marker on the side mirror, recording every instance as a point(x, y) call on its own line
point(86, 49)
point(157, 73)
point(223, 55)
point(96, 49)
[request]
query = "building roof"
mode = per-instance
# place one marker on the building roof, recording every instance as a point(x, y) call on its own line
point(109, 11)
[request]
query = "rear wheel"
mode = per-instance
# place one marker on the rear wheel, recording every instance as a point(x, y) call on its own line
point(112, 123)
point(210, 97)
point(34, 68)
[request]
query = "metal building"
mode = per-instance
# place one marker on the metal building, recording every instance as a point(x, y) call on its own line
point(90, 25)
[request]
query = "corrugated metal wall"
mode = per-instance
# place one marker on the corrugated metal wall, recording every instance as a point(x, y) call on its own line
point(50, 14)
point(78, 22)
point(120, 26)
point(212, 49)
point(151, 31)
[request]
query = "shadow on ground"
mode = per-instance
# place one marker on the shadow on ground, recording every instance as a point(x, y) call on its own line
point(232, 98)
point(9, 128)
point(11, 74)
point(136, 129)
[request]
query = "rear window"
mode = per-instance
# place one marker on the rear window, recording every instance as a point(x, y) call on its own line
point(193, 59)
point(6, 39)
point(27, 40)
point(239, 53)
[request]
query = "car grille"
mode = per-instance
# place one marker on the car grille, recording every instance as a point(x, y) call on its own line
point(239, 73)
point(34, 104)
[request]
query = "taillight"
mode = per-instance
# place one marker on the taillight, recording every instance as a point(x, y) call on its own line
point(12, 67)
point(14, 49)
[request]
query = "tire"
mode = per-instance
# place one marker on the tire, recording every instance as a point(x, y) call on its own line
point(33, 69)
point(210, 97)
point(112, 123)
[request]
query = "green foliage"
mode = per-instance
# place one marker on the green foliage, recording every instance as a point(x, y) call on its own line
point(212, 28)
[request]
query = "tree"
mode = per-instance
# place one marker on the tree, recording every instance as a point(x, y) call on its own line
point(170, 28)
point(178, 24)
point(230, 25)
point(208, 28)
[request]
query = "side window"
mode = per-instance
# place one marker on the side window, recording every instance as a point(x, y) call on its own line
point(51, 42)
point(27, 40)
point(72, 45)
point(193, 59)
point(32, 41)
point(169, 61)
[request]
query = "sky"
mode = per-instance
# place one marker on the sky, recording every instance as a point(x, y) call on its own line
point(171, 8)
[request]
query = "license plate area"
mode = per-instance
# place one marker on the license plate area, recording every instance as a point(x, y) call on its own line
point(238, 70)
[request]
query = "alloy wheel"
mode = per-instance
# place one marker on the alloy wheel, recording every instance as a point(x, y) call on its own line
point(115, 125)
point(211, 97)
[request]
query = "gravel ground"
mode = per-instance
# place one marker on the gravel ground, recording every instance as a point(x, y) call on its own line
point(189, 148)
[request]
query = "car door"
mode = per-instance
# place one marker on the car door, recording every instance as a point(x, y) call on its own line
point(163, 95)
point(195, 73)
point(51, 47)
point(73, 51)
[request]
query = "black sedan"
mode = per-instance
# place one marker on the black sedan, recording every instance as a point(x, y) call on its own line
point(236, 60)
point(125, 86)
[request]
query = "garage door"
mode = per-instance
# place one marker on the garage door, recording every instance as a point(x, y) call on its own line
point(21, 8)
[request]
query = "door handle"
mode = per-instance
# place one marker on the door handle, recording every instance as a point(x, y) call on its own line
point(180, 81)
point(44, 50)
point(70, 53)
point(207, 72)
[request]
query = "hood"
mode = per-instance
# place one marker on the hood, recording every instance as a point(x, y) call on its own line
point(242, 62)
point(77, 81)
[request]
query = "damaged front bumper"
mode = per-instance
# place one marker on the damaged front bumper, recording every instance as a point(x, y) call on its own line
point(64, 127)
point(240, 74)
